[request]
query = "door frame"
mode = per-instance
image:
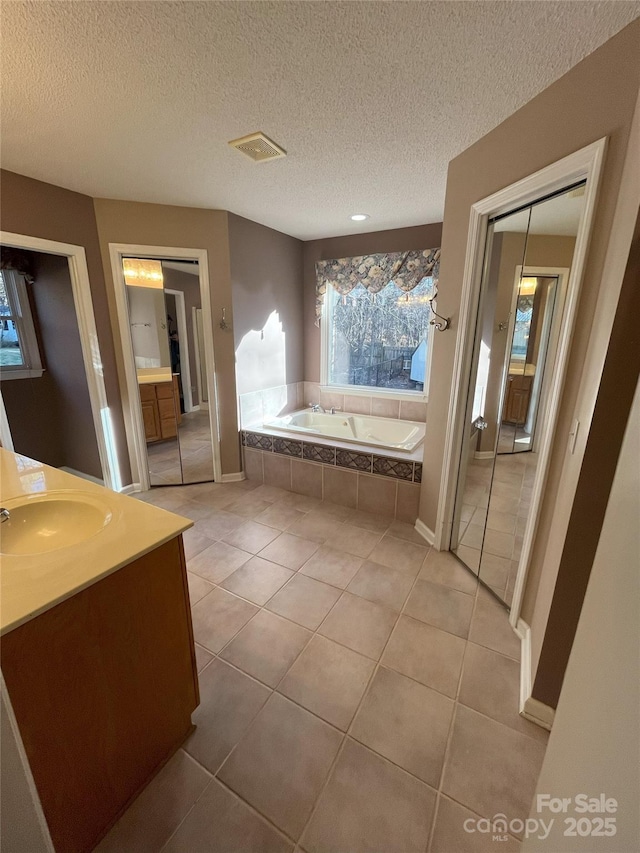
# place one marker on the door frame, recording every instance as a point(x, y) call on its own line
point(585, 164)
point(91, 357)
point(130, 395)
point(185, 368)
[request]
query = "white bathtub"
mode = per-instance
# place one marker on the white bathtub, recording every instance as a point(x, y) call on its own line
point(360, 429)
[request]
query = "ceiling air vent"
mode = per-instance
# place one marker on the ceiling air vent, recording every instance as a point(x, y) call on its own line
point(259, 147)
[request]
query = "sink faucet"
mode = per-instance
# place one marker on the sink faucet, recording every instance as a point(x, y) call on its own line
point(5, 515)
point(316, 407)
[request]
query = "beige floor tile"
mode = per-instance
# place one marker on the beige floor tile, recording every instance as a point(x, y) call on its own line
point(405, 722)
point(425, 653)
point(370, 521)
point(279, 516)
point(370, 805)
point(251, 536)
point(399, 554)
point(305, 601)
point(404, 530)
point(269, 493)
point(266, 647)
point(441, 607)
point(203, 657)
point(221, 823)
point(491, 768)
point(218, 524)
point(248, 506)
point(158, 810)
point(218, 617)
point(229, 700)
point(490, 627)
point(443, 568)
point(315, 525)
point(355, 540)
point(193, 510)
point(362, 625)
point(491, 684)
point(381, 584)
point(469, 556)
point(502, 521)
point(329, 680)
point(449, 835)
point(198, 587)
point(218, 561)
point(257, 580)
point(281, 764)
point(292, 552)
point(304, 503)
point(473, 535)
point(194, 543)
point(332, 567)
point(500, 544)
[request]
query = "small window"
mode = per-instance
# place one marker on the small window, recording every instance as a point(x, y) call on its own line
point(379, 340)
point(19, 352)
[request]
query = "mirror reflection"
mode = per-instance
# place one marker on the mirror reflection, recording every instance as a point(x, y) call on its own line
point(164, 304)
point(528, 259)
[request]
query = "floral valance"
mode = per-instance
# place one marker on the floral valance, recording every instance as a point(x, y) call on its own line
point(18, 260)
point(405, 269)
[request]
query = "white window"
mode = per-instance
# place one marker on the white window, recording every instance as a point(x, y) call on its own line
point(19, 351)
point(378, 340)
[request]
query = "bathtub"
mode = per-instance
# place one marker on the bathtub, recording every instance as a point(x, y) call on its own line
point(361, 429)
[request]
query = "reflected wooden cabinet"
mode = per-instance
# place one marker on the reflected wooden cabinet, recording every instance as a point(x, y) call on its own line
point(517, 399)
point(160, 409)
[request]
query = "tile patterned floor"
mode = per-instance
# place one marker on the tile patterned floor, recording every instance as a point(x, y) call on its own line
point(186, 459)
point(359, 692)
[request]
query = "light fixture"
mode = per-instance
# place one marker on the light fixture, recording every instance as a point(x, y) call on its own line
point(360, 217)
point(139, 272)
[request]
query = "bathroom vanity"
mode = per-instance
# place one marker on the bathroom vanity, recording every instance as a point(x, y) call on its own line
point(97, 644)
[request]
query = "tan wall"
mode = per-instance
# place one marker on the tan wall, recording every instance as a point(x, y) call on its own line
point(595, 742)
point(397, 240)
point(595, 99)
point(266, 276)
point(193, 228)
point(36, 209)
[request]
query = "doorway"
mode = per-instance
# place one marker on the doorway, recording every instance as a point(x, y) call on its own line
point(54, 406)
point(171, 428)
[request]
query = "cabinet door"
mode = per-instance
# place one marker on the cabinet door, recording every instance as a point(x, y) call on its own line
point(516, 404)
point(151, 421)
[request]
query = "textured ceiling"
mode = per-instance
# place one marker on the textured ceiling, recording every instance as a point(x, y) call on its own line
point(137, 100)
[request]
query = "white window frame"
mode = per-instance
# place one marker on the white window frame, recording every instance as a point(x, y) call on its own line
point(363, 390)
point(18, 298)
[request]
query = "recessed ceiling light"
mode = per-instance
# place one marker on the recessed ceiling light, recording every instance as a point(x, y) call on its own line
point(360, 217)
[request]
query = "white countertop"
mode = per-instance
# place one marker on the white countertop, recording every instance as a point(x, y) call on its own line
point(33, 583)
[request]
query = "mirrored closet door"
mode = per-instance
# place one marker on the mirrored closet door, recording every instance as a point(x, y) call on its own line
point(528, 258)
point(163, 298)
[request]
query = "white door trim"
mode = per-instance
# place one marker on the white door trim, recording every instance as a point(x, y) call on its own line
point(185, 368)
point(81, 289)
point(196, 346)
point(130, 394)
point(585, 164)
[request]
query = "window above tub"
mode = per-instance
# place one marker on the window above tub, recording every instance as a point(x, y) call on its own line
point(375, 320)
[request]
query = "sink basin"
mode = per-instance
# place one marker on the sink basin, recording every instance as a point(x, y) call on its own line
point(41, 523)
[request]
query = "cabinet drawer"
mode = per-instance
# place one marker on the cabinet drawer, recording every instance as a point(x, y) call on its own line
point(147, 393)
point(164, 390)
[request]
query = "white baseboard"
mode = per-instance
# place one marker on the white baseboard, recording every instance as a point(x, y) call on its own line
point(80, 474)
point(425, 531)
point(483, 454)
point(130, 489)
point(194, 409)
point(531, 709)
point(233, 478)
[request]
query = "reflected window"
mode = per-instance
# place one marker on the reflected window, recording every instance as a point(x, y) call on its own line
point(19, 352)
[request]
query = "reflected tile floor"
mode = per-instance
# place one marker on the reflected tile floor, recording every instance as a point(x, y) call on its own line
point(349, 701)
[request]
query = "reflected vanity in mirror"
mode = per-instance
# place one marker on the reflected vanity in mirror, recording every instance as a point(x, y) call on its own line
point(527, 262)
point(163, 301)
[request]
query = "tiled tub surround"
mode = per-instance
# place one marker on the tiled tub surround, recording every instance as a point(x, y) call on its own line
point(358, 690)
point(255, 407)
point(349, 475)
point(380, 406)
point(381, 434)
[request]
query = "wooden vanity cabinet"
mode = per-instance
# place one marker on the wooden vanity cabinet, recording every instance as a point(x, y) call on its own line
point(103, 686)
point(517, 399)
point(160, 403)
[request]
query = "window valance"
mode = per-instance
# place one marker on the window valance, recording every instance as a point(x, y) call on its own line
point(405, 269)
point(17, 260)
